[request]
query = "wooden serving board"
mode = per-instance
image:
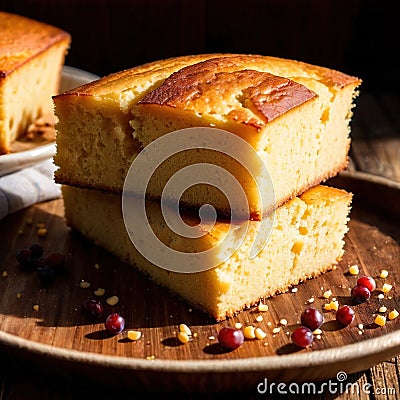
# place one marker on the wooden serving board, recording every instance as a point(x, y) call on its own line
point(58, 337)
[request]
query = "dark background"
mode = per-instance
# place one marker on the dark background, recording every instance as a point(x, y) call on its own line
point(360, 37)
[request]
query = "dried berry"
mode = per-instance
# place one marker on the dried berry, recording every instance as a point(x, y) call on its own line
point(93, 308)
point(312, 318)
point(360, 293)
point(114, 323)
point(368, 282)
point(230, 338)
point(36, 250)
point(345, 315)
point(302, 337)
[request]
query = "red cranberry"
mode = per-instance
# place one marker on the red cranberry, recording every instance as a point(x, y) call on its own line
point(36, 250)
point(312, 318)
point(360, 293)
point(368, 282)
point(56, 261)
point(345, 315)
point(93, 308)
point(25, 259)
point(115, 323)
point(302, 337)
point(230, 338)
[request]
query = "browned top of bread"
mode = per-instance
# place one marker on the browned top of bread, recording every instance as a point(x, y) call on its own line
point(210, 85)
point(22, 38)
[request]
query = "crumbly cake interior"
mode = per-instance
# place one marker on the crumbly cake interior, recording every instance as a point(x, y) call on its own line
point(307, 240)
point(104, 125)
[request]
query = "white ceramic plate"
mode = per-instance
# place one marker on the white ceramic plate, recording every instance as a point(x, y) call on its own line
point(70, 78)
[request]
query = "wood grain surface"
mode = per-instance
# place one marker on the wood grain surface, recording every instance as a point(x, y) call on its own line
point(372, 242)
point(51, 314)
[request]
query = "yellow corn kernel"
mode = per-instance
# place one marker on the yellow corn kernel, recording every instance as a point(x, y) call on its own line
point(184, 328)
point(384, 274)
point(386, 288)
point(183, 337)
point(262, 307)
point(393, 314)
point(249, 332)
point(134, 335)
point(260, 334)
point(112, 301)
point(354, 270)
point(380, 320)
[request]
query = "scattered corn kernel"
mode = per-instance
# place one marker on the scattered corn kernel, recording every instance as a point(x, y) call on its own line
point(360, 332)
point(4, 274)
point(134, 335)
point(360, 326)
point(354, 270)
point(249, 332)
point(84, 284)
point(381, 296)
point(195, 334)
point(112, 301)
point(238, 325)
point(294, 290)
point(184, 328)
point(283, 321)
point(311, 300)
point(99, 292)
point(380, 320)
point(382, 309)
point(327, 294)
point(96, 266)
point(384, 274)
point(211, 337)
point(386, 288)
point(393, 314)
point(332, 306)
point(317, 332)
point(42, 232)
point(183, 337)
point(262, 307)
point(276, 330)
point(259, 318)
point(35, 307)
point(260, 334)
point(150, 357)
point(19, 295)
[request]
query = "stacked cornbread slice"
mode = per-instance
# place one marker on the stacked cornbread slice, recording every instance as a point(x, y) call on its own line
point(294, 116)
point(31, 57)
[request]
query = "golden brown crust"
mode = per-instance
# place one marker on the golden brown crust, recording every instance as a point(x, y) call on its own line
point(212, 84)
point(23, 38)
point(122, 80)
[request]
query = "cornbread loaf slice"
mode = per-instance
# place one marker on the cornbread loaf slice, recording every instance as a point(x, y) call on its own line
point(31, 57)
point(306, 240)
point(295, 115)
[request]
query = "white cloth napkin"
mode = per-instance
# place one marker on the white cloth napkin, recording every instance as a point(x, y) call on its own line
point(28, 186)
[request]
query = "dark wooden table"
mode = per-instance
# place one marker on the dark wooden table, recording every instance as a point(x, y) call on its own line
point(375, 150)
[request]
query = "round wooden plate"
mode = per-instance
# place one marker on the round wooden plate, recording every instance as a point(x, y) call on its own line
point(44, 324)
